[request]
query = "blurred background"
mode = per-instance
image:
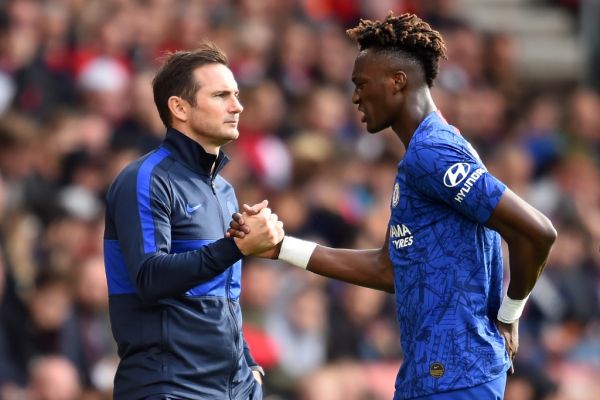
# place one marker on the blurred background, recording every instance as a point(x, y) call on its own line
point(522, 83)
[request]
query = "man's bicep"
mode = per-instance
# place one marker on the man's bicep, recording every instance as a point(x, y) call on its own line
point(514, 217)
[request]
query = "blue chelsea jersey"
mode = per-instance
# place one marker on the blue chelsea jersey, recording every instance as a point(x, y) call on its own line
point(447, 264)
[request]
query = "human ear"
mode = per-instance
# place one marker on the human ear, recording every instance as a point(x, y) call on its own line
point(399, 81)
point(178, 108)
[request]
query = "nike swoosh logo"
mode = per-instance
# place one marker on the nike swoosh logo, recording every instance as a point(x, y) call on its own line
point(191, 209)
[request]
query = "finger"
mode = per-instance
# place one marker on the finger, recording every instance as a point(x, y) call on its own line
point(255, 209)
point(237, 227)
point(249, 210)
point(239, 218)
point(235, 233)
point(279, 224)
point(265, 212)
point(273, 217)
point(234, 226)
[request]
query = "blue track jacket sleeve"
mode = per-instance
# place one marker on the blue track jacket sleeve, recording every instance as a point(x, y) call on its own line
point(138, 204)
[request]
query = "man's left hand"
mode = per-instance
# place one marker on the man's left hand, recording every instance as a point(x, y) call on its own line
point(258, 376)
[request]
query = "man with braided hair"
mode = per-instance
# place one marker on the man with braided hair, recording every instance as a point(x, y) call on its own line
point(442, 255)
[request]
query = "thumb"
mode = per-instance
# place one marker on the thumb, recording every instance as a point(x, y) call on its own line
point(255, 209)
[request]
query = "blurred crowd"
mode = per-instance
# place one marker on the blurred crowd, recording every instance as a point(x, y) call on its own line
point(76, 105)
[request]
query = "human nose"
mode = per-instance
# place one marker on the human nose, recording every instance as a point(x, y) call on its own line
point(355, 97)
point(237, 107)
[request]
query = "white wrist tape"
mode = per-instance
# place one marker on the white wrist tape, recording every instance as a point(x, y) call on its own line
point(511, 310)
point(296, 251)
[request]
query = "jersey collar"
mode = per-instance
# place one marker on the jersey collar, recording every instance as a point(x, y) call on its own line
point(427, 124)
point(192, 154)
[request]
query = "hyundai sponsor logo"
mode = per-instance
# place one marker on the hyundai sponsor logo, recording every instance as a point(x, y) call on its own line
point(456, 174)
point(466, 188)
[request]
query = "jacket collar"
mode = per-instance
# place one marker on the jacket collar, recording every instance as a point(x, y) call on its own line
point(191, 154)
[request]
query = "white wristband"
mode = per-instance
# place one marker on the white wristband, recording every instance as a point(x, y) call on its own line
point(296, 251)
point(511, 310)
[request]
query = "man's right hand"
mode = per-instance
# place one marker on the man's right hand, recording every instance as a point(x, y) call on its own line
point(510, 333)
point(263, 232)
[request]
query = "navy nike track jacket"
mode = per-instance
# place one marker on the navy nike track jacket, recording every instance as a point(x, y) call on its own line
point(173, 279)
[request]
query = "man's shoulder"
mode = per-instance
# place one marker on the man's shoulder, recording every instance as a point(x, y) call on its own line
point(440, 142)
point(440, 134)
point(141, 169)
point(145, 163)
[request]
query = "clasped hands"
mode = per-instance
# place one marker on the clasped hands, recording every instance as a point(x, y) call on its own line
point(257, 231)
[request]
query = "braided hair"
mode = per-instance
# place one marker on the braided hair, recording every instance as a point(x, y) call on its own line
point(404, 33)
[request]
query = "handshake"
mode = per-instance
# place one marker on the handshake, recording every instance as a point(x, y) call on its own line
point(257, 231)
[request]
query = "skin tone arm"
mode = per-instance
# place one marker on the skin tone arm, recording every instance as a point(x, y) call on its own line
point(530, 236)
point(528, 233)
point(370, 268)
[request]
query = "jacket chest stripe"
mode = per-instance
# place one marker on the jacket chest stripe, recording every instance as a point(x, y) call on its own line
point(144, 180)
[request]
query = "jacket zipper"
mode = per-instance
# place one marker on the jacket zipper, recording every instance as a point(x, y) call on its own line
point(229, 302)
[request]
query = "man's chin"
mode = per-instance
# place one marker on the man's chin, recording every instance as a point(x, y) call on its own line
point(231, 136)
point(373, 129)
point(232, 132)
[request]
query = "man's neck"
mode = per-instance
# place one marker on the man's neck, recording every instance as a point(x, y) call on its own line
point(418, 105)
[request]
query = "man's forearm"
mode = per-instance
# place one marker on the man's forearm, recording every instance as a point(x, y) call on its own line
point(527, 261)
point(369, 268)
point(166, 275)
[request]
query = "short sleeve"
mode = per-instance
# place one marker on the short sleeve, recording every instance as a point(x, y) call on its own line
point(453, 174)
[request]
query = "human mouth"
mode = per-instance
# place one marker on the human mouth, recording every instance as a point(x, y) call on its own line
point(364, 114)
